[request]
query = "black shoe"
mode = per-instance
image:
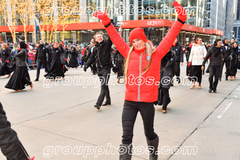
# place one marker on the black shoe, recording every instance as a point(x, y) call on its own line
point(210, 90)
point(179, 81)
point(97, 106)
point(215, 91)
point(153, 148)
point(106, 103)
point(125, 152)
point(36, 80)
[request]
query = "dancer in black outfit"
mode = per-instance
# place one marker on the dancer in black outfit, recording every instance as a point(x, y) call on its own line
point(10, 145)
point(41, 58)
point(5, 56)
point(216, 54)
point(233, 61)
point(56, 69)
point(102, 55)
point(73, 63)
point(20, 77)
point(167, 73)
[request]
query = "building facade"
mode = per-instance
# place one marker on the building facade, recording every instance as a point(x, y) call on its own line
point(154, 16)
point(221, 15)
point(236, 26)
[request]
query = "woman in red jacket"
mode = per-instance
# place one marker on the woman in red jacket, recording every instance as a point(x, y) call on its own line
point(142, 71)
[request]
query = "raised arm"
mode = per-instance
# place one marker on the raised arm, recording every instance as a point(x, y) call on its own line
point(168, 40)
point(120, 44)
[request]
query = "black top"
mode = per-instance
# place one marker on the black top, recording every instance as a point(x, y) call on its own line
point(216, 56)
point(101, 53)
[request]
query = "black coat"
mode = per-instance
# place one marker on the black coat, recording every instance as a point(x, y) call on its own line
point(234, 59)
point(56, 69)
point(167, 70)
point(216, 56)
point(179, 52)
point(188, 49)
point(41, 53)
point(101, 53)
point(21, 58)
point(56, 53)
point(73, 58)
point(228, 50)
point(5, 55)
point(89, 52)
point(48, 53)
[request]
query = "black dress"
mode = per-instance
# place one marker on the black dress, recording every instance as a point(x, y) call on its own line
point(5, 70)
point(73, 63)
point(233, 62)
point(20, 77)
point(56, 70)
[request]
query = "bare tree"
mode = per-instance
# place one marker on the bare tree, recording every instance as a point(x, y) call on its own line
point(8, 12)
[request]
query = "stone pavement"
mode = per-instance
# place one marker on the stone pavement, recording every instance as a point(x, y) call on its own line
point(57, 120)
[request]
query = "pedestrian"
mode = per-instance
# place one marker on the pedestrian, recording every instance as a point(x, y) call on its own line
point(177, 49)
point(142, 63)
point(226, 62)
point(232, 42)
point(20, 77)
point(48, 56)
point(62, 57)
point(198, 53)
point(56, 69)
point(5, 57)
point(187, 53)
point(41, 58)
point(233, 61)
point(102, 55)
point(167, 72)
point(73, 63)
point(89, 52)
point(215, 54)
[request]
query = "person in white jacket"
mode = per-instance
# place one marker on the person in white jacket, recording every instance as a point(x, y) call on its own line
point(197, 55)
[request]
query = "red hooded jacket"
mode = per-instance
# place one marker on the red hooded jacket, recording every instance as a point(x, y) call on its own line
point(145, 90)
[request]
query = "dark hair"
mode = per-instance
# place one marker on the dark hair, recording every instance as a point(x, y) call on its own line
point(234, 43)
point(198, 38)
point(22, 37)
point(224, 40)
point(216, 41)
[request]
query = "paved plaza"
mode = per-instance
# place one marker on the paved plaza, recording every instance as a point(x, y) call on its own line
point(57, 120)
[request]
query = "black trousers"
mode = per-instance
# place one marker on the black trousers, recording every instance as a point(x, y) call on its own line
point(129, 115)
point(177, 69)
point(39, 64)
point(120, 69)
point(163, 97)
point(10, 145)
point(104, 75)
point(214, 72)
point(227, 73)
point(93, 68)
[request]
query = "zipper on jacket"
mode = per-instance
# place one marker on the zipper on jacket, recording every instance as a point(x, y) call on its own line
point(140, 72)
